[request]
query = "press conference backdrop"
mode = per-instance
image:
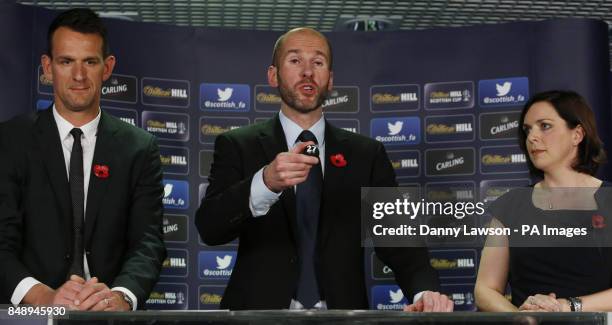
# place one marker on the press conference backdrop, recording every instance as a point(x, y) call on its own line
point(444, 102)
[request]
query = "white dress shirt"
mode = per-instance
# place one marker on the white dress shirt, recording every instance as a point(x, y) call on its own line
point(88, 142)
point(262, 198)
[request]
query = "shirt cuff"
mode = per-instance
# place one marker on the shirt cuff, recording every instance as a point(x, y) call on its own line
point(417, 296)
point(261, 198)
point(22, 289)
point(129, 294)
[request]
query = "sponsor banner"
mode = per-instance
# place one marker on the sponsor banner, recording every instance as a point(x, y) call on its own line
point(491, 189)
point(406, 163)
point(166, 126)
point(174, 160)
point(461, 294)
point(454, 263)
point(43, 104)
point(120, 88)
point(176, 194)
point(388, 297)
point(168, 296)
point(394, 98)
point(503, 92)
point(202, 191)
point(396, 130)
point(176, 263)
point(267, 99)
point(449, 95)
point(464, 191)
point(206, 159)
point(342, 99)
point(225, 97)
point(45, 85)
point(216, 265)
point(499, 126)
point(165, 92)
point(450, 162)
point(210, 296)
point(129, 116)
point(348, 124)
point(176, 228)
point(211, 127)
point(380, 271)
point(502, 160)
point(450, 128)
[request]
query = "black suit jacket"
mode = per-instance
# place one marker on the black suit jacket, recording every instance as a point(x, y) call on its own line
point(123, 221)
point(266, 270)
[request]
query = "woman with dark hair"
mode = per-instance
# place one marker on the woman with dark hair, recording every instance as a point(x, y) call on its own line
point(560, 139)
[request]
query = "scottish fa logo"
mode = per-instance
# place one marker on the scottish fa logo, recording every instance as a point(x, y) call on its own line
point(223, 263)
point(395, 128)
point(225, 94)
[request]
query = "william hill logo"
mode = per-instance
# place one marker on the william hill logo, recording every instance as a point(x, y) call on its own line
point(174, 262)
point(494, 159)
point(449, 129)
point(210, 298)
point(267, 98)
point(386, 98)
point(448, 97)
point(214, 129)
point(167, 127)
point(173, 160)
point(405, 163)
point(449, 264)
point(153, 91)
point(450, 195)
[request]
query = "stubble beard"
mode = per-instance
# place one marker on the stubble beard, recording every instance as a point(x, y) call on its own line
point(290, 97)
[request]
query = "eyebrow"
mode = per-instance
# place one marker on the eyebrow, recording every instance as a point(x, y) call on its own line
point(540, 120)
point(296, 51)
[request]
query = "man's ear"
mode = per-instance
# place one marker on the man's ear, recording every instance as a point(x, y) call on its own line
point(272, 76)
point(109, 65)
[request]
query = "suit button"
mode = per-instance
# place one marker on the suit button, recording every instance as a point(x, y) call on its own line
point(67, 256)
point(292, 260)
point(87, 252)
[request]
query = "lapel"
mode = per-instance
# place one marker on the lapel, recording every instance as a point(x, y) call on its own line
point(335, 143)
point(106, 144)
point(55, 165)
point(273, 141)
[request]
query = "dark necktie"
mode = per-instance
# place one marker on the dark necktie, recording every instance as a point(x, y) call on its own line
point(308, 203)
point(78, 203)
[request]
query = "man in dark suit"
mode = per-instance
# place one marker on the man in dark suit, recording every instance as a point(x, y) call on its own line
point(297, 217)
point(80, 191)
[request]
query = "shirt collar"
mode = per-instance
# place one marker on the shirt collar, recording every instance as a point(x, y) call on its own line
point(64, 127)
point(292, 130)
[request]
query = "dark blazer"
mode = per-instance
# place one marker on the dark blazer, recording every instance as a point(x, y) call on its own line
point(266, 270)
point(123, 221)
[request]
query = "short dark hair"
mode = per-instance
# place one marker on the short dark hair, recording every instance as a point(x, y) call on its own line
point(80, 20)
point(574, 110)
point(279, 44)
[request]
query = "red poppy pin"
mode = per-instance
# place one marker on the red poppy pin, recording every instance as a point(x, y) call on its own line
point(598, 221)
point(338, 160)
point(101, 171)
